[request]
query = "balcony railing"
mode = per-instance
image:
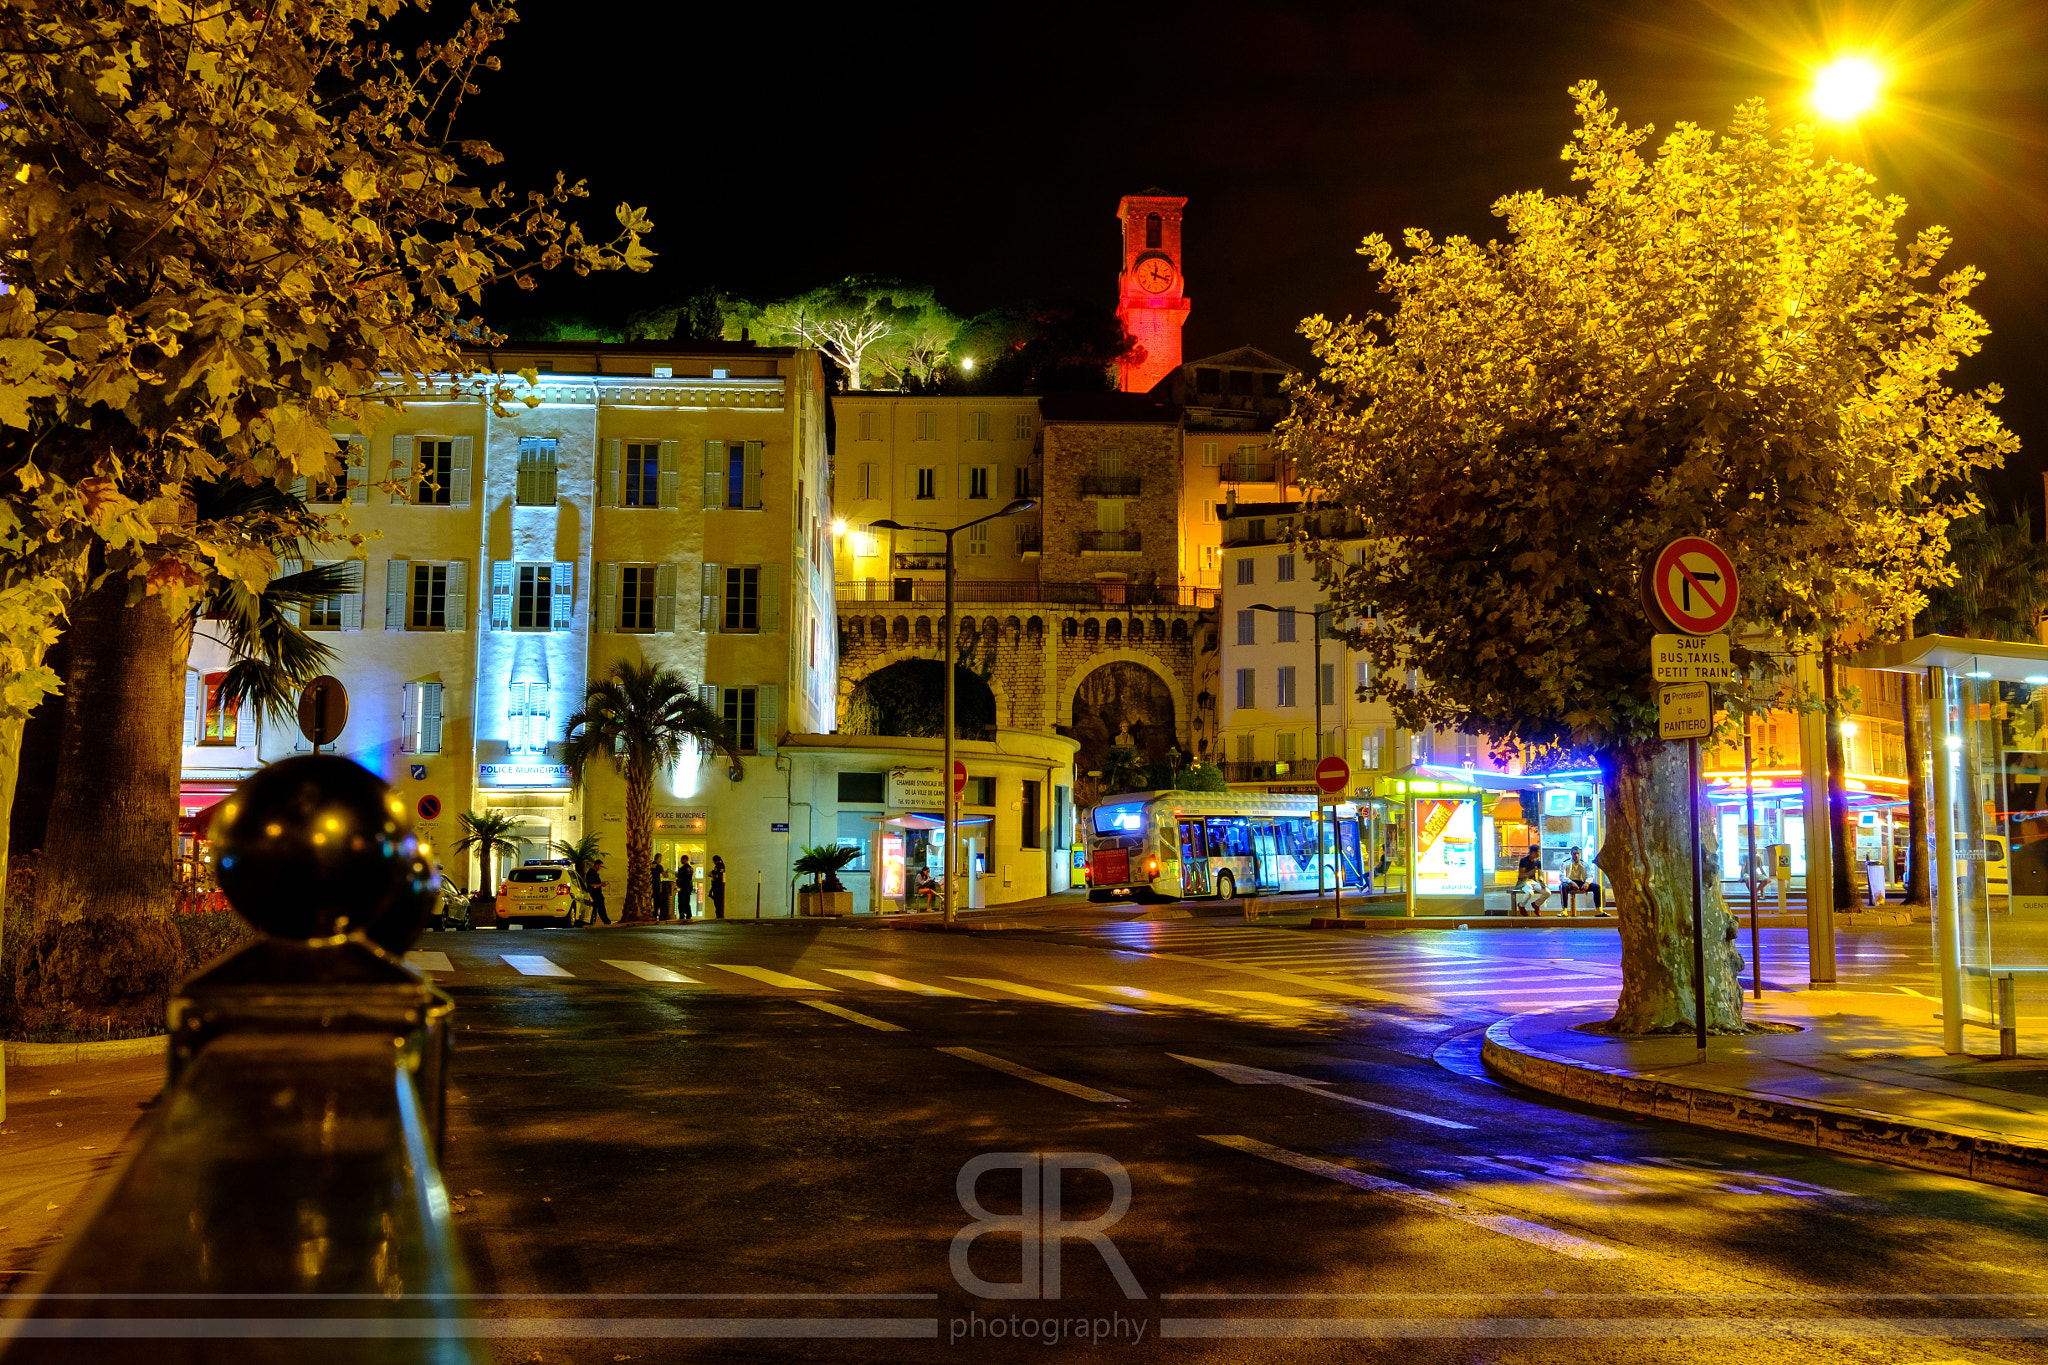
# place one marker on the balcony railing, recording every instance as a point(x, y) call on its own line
point(1248, 473)
point(905, 562)
point(1110, 485)
point(1268, 770)
point(1110, 542)
point(978, 591)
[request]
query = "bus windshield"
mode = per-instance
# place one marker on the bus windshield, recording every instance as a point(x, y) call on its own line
point(1125, 819)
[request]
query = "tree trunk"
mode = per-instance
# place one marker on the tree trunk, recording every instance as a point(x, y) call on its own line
point(1916, 794)
point(1648, 857)
point(10, 768)
point(1839, 828)
point(103, 946)
point(639, 843)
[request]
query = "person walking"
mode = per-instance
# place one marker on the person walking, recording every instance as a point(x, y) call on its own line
point(594, 884)
point(718, 885)
point(657, 877)
point(686, 887)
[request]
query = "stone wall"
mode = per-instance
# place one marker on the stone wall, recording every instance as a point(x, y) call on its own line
point(1152, 455)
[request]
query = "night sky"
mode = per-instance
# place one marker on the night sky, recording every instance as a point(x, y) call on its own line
point(982, 149)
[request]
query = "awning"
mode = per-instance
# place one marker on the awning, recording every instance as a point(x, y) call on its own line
point(918, 820)
point(199, 822)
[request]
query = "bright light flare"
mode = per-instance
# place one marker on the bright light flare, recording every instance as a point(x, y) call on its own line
point(839, 527)
point(1846, 88)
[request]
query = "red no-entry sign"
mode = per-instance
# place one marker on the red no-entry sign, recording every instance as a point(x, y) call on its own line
point(1692, 582)
point(959, 779)
point(1332, 774)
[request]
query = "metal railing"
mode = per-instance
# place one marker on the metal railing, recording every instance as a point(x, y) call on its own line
point(1110, 485)
point(985, 591)
point(1110, 542)
point(1268, 472)
point(286, 1185)
point(904, 560)
point(1267, 770)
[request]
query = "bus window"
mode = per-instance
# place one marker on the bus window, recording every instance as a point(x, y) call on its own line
point(1123, 819)
point(1301, 840)
point(1229, 839)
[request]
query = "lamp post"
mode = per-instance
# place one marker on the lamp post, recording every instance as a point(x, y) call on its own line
point(1315, 626)
point(952, 662)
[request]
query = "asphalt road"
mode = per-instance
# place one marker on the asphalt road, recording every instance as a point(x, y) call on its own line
point(761, 1160)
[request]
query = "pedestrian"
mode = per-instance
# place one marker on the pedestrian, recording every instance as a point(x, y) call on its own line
point(1579, 879)
point(686, 887)
point(594, 884)
point(657, 877)
point(1529, 882)
point(927, 886)
point(718, 885)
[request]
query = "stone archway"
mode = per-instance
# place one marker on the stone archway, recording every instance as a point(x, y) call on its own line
point(849, 684)
point(1122, 702)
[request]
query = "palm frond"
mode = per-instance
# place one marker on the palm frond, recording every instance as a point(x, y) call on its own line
point(274, 692)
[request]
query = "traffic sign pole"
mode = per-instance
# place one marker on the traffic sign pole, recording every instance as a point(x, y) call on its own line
point(1699, 930)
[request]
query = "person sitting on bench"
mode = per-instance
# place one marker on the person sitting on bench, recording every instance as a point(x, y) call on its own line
point(1529, 882)
point(1579, 880)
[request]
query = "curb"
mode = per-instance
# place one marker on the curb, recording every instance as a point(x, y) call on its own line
point(1455, 922)
point(62, 1054)
point(1968, 1154)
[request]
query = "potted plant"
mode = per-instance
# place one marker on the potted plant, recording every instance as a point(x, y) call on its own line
point(826, 895)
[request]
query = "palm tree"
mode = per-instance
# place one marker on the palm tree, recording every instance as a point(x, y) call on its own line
point(487, 834)
point(641, 720)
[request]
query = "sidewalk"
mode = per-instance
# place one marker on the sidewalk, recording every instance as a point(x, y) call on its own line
point(1865, 1077)
point(66, 1127)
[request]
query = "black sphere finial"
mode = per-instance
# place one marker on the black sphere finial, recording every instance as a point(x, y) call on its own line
point(317, 847)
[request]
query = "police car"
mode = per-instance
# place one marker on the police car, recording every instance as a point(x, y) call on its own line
point(541, 892)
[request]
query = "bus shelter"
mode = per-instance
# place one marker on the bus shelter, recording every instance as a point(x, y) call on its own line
point(1464, 831)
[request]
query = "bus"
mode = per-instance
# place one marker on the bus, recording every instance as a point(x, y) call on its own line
point(1180, 845)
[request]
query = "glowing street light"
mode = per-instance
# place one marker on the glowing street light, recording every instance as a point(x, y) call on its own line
point(1847, 88)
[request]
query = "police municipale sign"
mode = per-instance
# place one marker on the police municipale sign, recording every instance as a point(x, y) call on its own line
point(1692, 582)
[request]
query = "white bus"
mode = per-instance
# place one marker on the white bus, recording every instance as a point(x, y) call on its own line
point(1180, 845)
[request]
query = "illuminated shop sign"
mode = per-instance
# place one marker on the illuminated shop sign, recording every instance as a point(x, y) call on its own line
point(522, 775)
point(1447, 847)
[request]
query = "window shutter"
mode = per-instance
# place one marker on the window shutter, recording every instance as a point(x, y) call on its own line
point(408, 720)
point(565, 595)
point(404, 467)
point(771, 599)
point(607, 598)
point(458, 471)
point(767, 718)
point(396, 573)
point(966, 484)
point(708, 694)
point(714, 474)
point(430, 718)
point(671, 474)
point(458, 594)
point(352, 600)
point(939, 482)
point(358, 469)
point(665, 598)
point(714, 590)
point(285, 569)
point(870, 479)
point(753, 470)
point(501, 593)
point(300, 488)
point(608, 475)
point(194, 690)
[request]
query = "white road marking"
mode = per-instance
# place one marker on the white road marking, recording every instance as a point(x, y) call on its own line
point(647, 971)
point(897, 983)
point(1162, 998)
point(1326, 1007)
point(429, 962)
point(1252, 1075)
point(1037, 993)
point(1314, 983)
point(772, 978)
point(1425, 1201)
point(844, 1013)
point(1025, 1073)
point(532, 964)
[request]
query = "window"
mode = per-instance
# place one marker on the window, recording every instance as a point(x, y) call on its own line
point(1285, 689)
point(864, 789)
point(977, 539)
point(1210, 454)
point(981, 791)
point(1283, 743)
point(1209, 555)
point(420, 728)
point(1154, 233)
point(1028, 817)
point(1467, 749)
point(1247, 687)
point(526, 711)
point(1370, 750)
point(978, 480)
point(871, 426)
point(1284, 569)
point(1328, 695)
point(637, 596)
point(1248, 463)
point(1364, 672)
point(742, 602)
point(1285, 635)
point(732, 474)
point(1247, 628)
point(1023, 482)
point(1255, 528)
point(1109, 461)
point(1208, 381)
point(220, 723)
point(344, 610)
point(1208, 518)
point(429, 597)
point(927, 426)
point(1062, 817)
point(640, 474)
point(1241, 383)
point(740, 709)
point(435, 473)
point(927, 484)
point(1109, 514)
point(1246, 572)
point(536, 484)
point(1023, 426)
point(867, 542)
point(328, 490)
point(535, 606)
point(977, 426)
point(423, 596)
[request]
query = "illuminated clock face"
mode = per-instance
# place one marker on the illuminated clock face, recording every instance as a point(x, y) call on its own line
point(1155, 276)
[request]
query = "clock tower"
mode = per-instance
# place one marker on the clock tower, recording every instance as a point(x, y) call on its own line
point(1151, 292)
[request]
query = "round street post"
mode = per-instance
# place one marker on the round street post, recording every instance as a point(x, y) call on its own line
point(323, 710)
point(1333, 774)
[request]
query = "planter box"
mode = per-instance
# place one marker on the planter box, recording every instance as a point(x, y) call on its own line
point(819, 904)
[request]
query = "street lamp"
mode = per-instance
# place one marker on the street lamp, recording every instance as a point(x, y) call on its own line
point(952, 663)
point(1847, 88)
point(1315, 615)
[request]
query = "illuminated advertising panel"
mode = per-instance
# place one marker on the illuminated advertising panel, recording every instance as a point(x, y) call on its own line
point(892, 866)
point(1447, 846)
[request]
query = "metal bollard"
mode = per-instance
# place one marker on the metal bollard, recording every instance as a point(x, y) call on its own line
point(2008, 1018)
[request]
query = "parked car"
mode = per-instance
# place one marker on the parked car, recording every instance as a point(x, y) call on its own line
point(1997, 874)
point(536, 894)
point(451, 908)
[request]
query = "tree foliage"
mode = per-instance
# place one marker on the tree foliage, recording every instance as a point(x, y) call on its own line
point(1065, 347)
point(1999, 587)
point(879, 333)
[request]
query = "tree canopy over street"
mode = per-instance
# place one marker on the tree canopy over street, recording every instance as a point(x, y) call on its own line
point(1726, 338)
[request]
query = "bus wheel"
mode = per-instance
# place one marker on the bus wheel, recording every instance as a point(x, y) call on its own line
point(1226, 886)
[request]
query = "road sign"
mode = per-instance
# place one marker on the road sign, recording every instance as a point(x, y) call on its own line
point(778, 827)
point(959, 779)
point(1692, 584)
point(429, 807)
point(1684, 712)
point(1332, 775)
point(1689, 658)
point(323, 710)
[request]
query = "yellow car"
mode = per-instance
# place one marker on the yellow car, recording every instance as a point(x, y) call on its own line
point(537, 894)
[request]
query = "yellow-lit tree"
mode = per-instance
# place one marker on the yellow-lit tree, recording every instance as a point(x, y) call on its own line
point(1727, 338)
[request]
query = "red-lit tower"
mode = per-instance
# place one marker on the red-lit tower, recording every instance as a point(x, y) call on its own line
point(1151, 292)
